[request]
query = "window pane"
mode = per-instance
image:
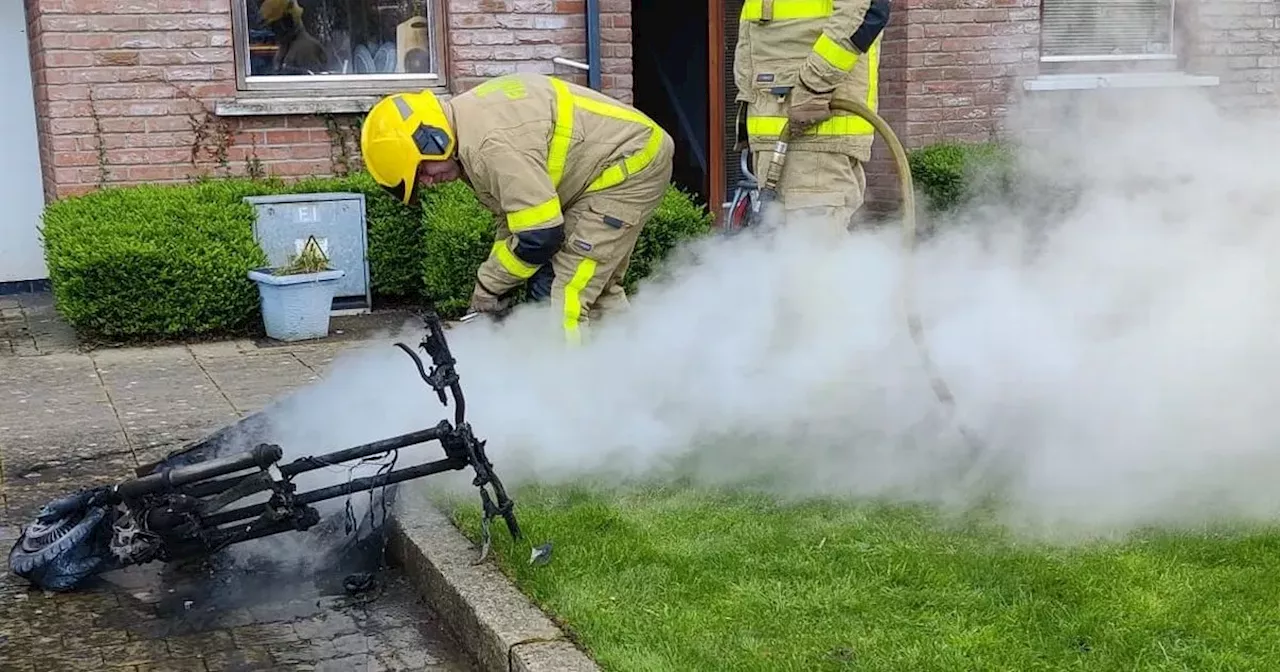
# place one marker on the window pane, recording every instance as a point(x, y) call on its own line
point(1106, 27)
point(338, 37)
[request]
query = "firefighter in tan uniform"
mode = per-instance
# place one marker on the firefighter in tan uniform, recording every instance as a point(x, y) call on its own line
point(792, 59)
point(572, 175)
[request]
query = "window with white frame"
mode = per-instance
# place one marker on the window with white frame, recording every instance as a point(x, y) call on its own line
point(1116, 30)
point(337, 47)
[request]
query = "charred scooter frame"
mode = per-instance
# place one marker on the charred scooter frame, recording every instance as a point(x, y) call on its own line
point(173, 513)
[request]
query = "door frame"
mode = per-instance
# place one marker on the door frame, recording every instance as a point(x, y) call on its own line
point(715, 109)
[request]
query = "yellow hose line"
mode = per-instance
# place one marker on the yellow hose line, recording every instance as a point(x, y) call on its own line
point(907, 187)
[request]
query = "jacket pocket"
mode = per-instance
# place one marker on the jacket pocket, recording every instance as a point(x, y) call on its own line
point(774, 77)
point(605, 230)
point(771, 96)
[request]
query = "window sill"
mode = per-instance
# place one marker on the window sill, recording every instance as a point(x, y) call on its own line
point(299, 105)
point(249, 107)
point(1129, 80)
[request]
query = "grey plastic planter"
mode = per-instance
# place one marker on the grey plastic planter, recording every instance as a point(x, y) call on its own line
point(296, 307)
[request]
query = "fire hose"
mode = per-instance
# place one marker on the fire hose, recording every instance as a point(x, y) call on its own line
point(751, 205)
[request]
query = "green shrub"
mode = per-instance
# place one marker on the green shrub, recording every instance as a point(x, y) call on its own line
point(458, 234)
point(153, 261)
point(678, 218)
point(951, 175)
point(171, 261)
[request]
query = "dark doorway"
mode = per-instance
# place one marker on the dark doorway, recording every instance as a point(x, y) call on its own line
point(669, 62)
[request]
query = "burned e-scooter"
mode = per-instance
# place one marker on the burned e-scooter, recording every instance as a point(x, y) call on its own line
point(180, 507)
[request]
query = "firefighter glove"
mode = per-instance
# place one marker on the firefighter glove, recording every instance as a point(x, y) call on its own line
point(808, 108)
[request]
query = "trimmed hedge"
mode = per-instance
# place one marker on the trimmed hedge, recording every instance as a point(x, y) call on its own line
point(952, 175)
point(152, 262)
point(458, 233)
point(170, 261)
point(678, 219)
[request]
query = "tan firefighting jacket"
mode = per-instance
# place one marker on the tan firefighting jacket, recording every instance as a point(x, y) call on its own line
point(827, 45)
point(532, 145)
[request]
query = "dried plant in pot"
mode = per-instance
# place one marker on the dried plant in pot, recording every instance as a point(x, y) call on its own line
point(297, 298)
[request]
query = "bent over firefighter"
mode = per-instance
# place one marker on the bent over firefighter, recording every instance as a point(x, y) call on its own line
point(793, 58)
point(572, 174)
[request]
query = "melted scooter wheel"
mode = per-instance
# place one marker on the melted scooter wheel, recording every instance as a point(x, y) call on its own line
point(64, 545)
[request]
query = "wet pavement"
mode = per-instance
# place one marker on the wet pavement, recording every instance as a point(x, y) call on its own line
point(160, 618)
point(71, 418)
point(29, 325)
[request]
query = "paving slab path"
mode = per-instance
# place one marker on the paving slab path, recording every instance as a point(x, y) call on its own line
point(71, 417)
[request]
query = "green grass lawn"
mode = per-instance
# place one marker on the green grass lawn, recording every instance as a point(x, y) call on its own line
point(685, 580)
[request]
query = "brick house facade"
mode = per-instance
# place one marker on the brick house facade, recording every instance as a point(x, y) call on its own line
point(953, 69)
point(131, 91)
point(134, 91)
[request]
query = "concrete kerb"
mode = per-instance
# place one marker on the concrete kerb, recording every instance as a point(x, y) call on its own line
point(491, 619)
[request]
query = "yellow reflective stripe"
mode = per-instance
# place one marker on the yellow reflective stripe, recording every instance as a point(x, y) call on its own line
point(841, 124)
point(572, 299)
point(510, 87)
point(511, 262)
point(833, 53)
point(606, 110)
point(558, 152)
point(633, 164)
point(753, 10)
point(529, 218)
point(611, 176)
point(873, 75)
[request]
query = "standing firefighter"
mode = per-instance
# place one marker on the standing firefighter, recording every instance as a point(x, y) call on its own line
point(793, 58)
point(572, 175)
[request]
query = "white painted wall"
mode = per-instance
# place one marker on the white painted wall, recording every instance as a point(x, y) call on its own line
point(21, 188)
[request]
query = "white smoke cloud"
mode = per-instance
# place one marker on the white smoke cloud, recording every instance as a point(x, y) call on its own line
point(1116, 359)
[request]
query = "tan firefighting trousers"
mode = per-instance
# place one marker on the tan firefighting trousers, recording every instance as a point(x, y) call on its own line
point(601, 230)
point(816, 188)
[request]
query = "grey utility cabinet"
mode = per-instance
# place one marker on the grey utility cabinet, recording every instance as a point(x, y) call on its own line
point(284, 223)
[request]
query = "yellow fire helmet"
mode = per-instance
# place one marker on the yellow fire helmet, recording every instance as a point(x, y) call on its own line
point(400, 132)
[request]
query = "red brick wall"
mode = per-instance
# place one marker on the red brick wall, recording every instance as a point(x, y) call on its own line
point(493, 37)
point(615, 46)
point(1239, 41)
point(951, 69)
point(126, 89)
point(966, 59)
point(882, 181)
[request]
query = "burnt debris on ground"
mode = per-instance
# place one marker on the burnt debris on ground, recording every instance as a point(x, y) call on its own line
point(320, 599)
